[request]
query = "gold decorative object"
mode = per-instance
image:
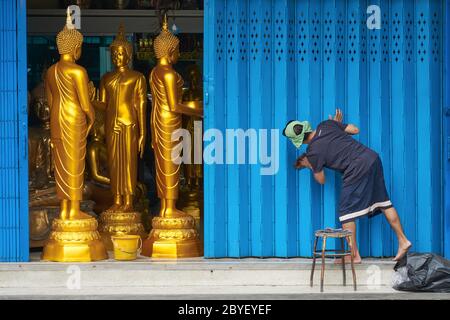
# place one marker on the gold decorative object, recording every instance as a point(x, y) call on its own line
point(144, 50)
point(120, 223)
point(173, 234)
point(97, 151)
point(41, 217)
point(97, 187)
point(40, 164)
point(123, 95)
point(74, 241)
point(191, 195)
point(74, 235)
point(127, 247)
point(39, 225)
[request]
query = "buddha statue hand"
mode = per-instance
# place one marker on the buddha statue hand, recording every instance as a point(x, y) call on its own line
point(90, 124)
point(92, 91)
point(196, 106)
point(141, 145)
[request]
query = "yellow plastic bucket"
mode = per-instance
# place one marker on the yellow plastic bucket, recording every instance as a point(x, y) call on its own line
point(126, 247)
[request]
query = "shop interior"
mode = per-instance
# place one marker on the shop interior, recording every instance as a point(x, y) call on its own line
point(100, 22)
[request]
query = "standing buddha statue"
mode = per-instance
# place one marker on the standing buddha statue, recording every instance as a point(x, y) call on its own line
point(74, 235)
point(191, 199)
point(97, 187)
point(173, 234)
point(193, 172)
point(123, 94)
point(39, 144)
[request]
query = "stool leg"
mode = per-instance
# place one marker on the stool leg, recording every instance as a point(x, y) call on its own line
point(343, 261)
point(349, 240)
point(314, 262)
point(322, 274)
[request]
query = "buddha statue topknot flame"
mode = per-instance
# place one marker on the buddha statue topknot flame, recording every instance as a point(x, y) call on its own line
point(173, 234)
point(74, 235)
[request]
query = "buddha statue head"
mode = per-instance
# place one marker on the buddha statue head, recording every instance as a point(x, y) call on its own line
point(166, 44)
point(121, 49)
point(69, 39)
point(42, 110)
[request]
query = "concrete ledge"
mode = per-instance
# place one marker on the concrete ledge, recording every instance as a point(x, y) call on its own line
point(221, 293)
point(199, 272)
point(230, 279)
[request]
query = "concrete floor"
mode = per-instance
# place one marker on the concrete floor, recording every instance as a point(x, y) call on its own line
point(199, 278)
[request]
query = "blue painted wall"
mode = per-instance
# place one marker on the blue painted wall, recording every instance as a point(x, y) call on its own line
point(270, 61)
point(446, 133)
point(13, 132)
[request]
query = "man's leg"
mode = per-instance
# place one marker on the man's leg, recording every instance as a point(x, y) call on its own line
point(351, 226)
point(403, 243)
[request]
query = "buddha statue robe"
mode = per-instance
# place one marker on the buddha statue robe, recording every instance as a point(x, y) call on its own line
point(68, 127)
point(164, 122)
point(124, 92)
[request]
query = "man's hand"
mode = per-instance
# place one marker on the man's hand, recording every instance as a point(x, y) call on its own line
point(90, 121)
point(338, 116)
point(302, 162)
point(320, 177)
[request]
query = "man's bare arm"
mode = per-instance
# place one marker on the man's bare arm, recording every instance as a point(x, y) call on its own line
point(320, 177)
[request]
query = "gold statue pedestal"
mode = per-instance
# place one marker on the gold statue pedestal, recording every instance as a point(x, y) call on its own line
point(173, 238)
point(74, 241)
point(191, 204)
point(118, 224)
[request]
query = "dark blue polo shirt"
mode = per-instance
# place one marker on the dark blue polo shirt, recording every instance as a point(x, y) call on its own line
point(333, 148)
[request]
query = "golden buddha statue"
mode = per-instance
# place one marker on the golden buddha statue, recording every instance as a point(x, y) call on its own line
point(193, 172)
point(74, 235)
point(191, 199)
point(97, 187)
point(173, 234)
point(40, 164)
point(123, 94)
point(97, 153)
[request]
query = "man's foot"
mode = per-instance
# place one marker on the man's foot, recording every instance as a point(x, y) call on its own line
point(356, 260)
point(403, 249)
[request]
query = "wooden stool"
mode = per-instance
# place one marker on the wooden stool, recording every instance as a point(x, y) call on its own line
point(333, 233)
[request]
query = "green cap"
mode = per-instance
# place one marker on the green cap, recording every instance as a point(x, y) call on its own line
point(297, 139)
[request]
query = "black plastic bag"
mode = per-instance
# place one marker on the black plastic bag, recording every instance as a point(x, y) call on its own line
point(425, 272)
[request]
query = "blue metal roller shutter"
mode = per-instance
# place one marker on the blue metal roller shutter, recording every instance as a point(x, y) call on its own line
point(270, 61)
point(13, 132)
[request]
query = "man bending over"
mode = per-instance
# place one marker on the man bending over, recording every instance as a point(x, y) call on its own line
point(363, 188)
